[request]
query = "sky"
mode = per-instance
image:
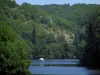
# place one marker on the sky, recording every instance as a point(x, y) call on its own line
point(71, 2)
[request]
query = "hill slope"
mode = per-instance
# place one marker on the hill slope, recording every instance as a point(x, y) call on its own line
point(50, 31)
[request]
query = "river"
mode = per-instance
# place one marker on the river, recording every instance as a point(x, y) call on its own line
point(60, 67)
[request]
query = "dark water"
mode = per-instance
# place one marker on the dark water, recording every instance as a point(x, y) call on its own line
point(60, 67)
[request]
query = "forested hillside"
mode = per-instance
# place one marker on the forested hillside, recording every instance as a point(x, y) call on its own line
point(50, 31)
point(53, 31)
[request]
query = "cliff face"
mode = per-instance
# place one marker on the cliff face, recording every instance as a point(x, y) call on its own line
point(61, 34)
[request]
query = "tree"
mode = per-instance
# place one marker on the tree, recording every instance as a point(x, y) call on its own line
point(13, 53)
point(34, 34)
point(92, 50)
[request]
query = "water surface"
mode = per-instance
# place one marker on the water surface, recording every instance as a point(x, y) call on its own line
point(60, 67)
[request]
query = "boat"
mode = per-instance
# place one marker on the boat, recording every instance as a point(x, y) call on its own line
point(41, 59)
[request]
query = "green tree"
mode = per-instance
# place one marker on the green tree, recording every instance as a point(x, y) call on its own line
point(34, 34)
point(13, 53)
point(92, 50)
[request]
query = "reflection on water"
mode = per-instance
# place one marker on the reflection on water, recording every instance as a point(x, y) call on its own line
point(60, 67)
point(41, 63)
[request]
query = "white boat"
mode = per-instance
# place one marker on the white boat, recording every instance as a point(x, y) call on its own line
point(41, 59)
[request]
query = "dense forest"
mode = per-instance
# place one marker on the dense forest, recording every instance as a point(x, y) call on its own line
point(92, 50)
point(49, 31)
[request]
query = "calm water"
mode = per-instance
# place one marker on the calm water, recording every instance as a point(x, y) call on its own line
point(60, 67)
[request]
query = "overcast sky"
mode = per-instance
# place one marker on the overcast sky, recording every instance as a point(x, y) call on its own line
point(43, 2)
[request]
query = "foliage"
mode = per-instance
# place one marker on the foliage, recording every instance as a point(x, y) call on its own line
point(92, 50)
point(46, 28)
point(13, 50)
point(13, 53)
point(49, 31)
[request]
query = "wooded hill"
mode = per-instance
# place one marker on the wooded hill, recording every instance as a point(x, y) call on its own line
point(50, 31)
